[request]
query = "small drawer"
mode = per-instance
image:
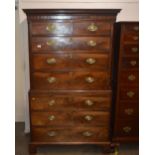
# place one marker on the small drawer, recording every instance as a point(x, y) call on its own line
point(130, 62)
point(128, 110)
point(91, 118)
point(49, 62)
point(49, 102)
point(40, 44)
point(127, 127)
point(128, 77)
point(129, 93)
point(51, 118)
point(63, 134)
point(98, 80)
point(130, 49)
point(51, 28)
point(51, 80)
point(131, 28)
point(90, 61)
point(92, 28)
point(131, 38)
point(99, 103)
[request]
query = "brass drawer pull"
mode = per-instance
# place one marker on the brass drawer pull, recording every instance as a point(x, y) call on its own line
point(136, 28)
point(51, 103)
point(88, 118)
point(129, 111)
point(50, 27)
point(51, 43)
point(51, 118)
point(91, 43)
point(51, 79)
point(89, 102)
point(87, 134)
point(90, 61)
point(39, 46)
point(134, 49)
point(133, 63)
point(52, 133)
point(127, 129)
point(51, 61)
point(130, 94)
point(92, 27)
point(33, 98)
point(89, 79)
point(131, 77)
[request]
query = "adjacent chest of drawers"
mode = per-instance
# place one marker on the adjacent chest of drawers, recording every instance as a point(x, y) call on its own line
point(70, 76)
point(126, 79)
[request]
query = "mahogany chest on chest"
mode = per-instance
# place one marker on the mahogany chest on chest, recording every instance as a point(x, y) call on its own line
point(126, 82)
point(70, 98)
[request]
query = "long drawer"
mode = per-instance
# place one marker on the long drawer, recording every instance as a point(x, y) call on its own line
point(81, 28)
point(70, 61)
point(70, 80)
point(84, 101)
point(75, 134)
point(67, 118)
point(39, 44)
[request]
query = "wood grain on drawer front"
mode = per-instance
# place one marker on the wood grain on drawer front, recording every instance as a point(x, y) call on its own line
point(131, 49)
point(49, 62)
point(129, 93)
point(71, 28)
point(51, 28)
point(131, 38)
point(130, 62)
point(131, 28)
point(127, 127)
point(69, 61)
point(69, 43)
point(51, 118)
point(82, 101)
point(70, 80)
point(129, 77)
point(75, 134)
point(91, 118)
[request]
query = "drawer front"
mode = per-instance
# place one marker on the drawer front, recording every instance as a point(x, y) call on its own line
point(53, 80)
point(90, 61)
point(131, 28)
point(129, 93)
point(130, 62)
point(131, 49)
point(70, 43)
point(128, 110)
point(127, 127)
point(131, 38)
point(51, 28)
point(49, 103)
point(129, 77)
point(92, 28)
point(70, 61)
point(90, 80)
point(92, 103)
point(71, 28)
point(78, 134)
point(87, 118)
point(82, 101)
point(49, 62)
point(70, 80)
point(51, 118)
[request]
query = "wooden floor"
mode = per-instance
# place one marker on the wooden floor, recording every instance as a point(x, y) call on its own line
point(22, 141)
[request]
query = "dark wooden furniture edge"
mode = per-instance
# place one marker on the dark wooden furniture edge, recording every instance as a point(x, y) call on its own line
point(72, 11)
